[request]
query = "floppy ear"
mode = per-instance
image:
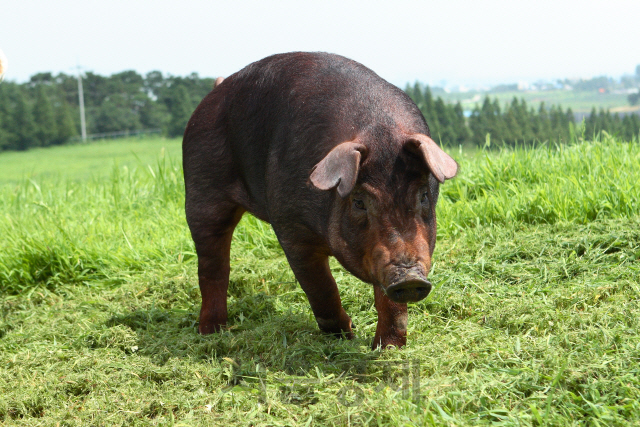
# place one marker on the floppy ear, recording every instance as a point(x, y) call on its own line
point(339, 168)
point(442, 166)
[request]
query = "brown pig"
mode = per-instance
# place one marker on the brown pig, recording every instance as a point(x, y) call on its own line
point(338, 161)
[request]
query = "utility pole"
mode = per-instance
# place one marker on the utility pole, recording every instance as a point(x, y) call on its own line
point(83, 123)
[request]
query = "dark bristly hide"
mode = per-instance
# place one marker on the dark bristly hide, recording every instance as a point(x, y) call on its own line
point(338, 161)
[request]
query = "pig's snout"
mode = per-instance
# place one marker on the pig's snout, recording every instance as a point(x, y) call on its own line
point(408, 286)
point(403, 273)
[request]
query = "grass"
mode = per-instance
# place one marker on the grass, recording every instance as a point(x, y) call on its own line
point(82, 161)
point(534, 318)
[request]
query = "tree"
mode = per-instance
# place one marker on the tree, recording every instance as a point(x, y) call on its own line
point(445, 118)
point(115, 114)
point(7, 139)
point(570, 117)
point(154, 82)
point(417, 95)
point(498, 129)
point(518, 122)
point(429, 107)
point(591, 124)
point(43, 114)
point(616, 125)
point(513, 131)
point(605, 121)
point(154, 115)
point(542, 124)
point(65, 125)
point(487, 119)
point(126, 82)
point(96, 89)
point(44, 110)
point(460, 124)
point(21, 123)
point(68, 87)
point(40, 79)
point(571, 124)
point(631, 127)
point(180, 107)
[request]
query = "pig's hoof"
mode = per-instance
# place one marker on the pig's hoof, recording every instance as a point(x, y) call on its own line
point(210, 327)
point(338, 328)
point(385, 341)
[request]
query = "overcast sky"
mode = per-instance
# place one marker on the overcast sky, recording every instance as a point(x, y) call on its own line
point(457, 42)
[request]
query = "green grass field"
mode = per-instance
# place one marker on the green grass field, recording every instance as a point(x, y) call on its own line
point(83, 162)
point(534, 318)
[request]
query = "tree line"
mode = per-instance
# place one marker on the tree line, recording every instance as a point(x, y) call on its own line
point(45, 110)
point(513, 123)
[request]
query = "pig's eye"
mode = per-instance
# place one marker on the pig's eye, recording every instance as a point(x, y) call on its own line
point(359, 204)
point(425, 198)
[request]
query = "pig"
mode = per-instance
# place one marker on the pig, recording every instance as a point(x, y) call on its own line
point(340, 163)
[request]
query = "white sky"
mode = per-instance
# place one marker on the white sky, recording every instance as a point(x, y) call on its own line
point(452, 41)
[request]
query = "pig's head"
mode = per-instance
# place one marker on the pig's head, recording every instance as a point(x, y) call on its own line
point(383, 219)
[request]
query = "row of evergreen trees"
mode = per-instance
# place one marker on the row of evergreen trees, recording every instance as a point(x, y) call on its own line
point(627, 127)
point(515, 123)
point(45, 110)
point(35, 116)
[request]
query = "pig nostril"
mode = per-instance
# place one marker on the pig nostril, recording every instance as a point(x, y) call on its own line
point(410, 291)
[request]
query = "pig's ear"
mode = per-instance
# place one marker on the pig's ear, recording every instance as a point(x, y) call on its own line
point(442, 166)
point(339, 168)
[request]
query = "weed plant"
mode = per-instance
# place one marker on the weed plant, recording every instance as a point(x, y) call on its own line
point(533, 319)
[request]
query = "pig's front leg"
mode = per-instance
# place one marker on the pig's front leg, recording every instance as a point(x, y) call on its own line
point(392, 321)
point(313, 273)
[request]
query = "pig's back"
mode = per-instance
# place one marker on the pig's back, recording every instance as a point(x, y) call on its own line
point(282, 114)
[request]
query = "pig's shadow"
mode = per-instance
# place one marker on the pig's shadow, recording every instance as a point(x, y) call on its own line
point(291, 339)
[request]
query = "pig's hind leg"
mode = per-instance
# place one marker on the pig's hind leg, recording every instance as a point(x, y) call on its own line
point(313, 272)
point(212, 230)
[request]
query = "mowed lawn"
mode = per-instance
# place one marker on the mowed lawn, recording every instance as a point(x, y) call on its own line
point(534, 318)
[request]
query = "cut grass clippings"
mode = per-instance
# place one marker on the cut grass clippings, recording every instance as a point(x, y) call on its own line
point(533, 320)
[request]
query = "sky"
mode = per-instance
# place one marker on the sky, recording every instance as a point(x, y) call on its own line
point(440, 43)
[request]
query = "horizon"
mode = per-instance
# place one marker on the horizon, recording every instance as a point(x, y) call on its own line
point(446, 86)
point(457, 43)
